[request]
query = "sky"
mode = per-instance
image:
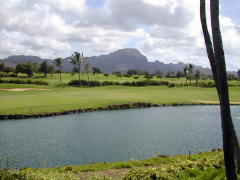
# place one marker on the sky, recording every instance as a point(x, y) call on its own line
point(164, 30)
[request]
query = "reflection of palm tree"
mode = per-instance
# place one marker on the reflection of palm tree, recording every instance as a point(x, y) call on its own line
point(217, 61)
point(59, 63)
point(86, 68)
point(78, 59)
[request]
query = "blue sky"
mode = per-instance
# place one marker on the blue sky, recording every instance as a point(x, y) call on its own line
point(166, 30)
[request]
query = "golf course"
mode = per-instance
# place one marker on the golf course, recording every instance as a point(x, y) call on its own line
point(56, 97)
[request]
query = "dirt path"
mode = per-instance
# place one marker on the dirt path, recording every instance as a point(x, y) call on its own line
point(113, 173)
point(25, 89)
point(214, 102)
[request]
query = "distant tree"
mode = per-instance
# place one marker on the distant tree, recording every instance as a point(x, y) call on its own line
point(179, 74)
point(168, 74)
point(75, 70)
point(238, 74)
point(18, 69)
point(51, 69)
point(44, 68)
point(59, 63)
point(197, 75)
point(158, 73)
point(96, 70)
point(87, 68)
point(78, 59)
point(190, 72)
point(185, 72)
point(215, 52)
point(132, 72)
point(8, 69)
point(1, 66)
point(26, 68)
point(231, 77)
point(146, 73)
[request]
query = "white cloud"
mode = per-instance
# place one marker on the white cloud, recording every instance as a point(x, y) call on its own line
point(167, 30)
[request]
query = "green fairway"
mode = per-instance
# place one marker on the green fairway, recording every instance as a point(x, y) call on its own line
point(62, 98)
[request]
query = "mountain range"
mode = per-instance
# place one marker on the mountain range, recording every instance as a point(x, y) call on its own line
point(120, 60)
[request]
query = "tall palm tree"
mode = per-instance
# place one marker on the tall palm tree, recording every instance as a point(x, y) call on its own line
point(59, 63)
point(86, 68)
point(216, 58)
point(78, 59)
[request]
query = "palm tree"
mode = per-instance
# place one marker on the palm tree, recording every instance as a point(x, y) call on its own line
point(78, 59)
point(185, 71)
point(59, 63)
point(197, 75)
point(86, 68)
point(190, 72)
point(216, 58)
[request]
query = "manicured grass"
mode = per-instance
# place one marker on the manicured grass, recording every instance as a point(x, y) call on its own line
point(201, 166)
point(64, 97)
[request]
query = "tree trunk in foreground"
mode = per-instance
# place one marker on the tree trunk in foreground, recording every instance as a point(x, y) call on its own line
point(217, 62)
point(226, 119)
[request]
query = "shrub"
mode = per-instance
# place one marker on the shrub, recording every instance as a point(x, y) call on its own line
point(127, 75)
point(206, 84)
point(148, 76)
point(135, 77)
point(19, 81)
point(3, 74)
point(106, 74)
point(171, 85)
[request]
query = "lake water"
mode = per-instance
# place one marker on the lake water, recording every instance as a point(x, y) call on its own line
point(111, 135)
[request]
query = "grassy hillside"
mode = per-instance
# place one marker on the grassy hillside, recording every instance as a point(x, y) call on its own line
point(203, 166)
point(60, 98)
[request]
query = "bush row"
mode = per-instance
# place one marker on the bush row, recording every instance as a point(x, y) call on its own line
point(132, 83)
point(3, 74)
point(19, 81)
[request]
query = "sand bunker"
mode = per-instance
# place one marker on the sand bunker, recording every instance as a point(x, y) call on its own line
point(25, 89)
point(214, 102)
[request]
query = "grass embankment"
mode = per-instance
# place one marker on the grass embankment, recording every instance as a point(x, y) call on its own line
point(64, 98)
point(201, 166)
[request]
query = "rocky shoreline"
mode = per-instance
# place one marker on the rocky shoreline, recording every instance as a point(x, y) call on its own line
point(107, 108)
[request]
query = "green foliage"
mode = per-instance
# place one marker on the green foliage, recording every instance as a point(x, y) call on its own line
point(44, 68)
point(204, 168)
point(19, 81)
point(96, 70)
point(3, 74)
point(26, 68)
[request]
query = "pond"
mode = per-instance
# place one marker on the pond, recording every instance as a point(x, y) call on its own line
point(111, 135)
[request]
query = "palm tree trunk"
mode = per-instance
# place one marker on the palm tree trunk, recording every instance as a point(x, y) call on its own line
point(88, 77)
point(211, 58)
point(226, 119)
point(60, 75)
point(79, 74)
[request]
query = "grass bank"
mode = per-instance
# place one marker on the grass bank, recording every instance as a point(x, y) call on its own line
point(202, 166)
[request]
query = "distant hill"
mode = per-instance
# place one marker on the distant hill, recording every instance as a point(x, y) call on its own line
point(120, 60)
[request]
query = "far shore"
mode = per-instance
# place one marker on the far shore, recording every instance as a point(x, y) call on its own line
point(108, 108)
